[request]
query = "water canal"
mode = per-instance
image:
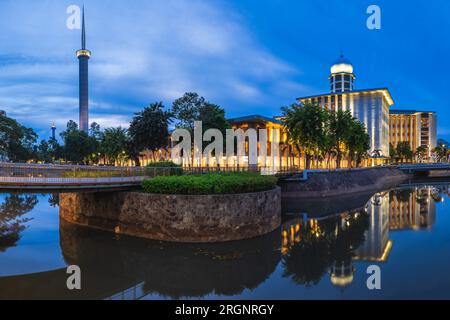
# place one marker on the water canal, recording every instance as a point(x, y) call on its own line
point(318, 253)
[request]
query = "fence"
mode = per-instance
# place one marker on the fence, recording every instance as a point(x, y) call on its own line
point(81, 172)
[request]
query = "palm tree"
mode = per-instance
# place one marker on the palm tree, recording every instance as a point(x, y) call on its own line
point(339, 128)
point(305, 126)
point(421, 152)
point(114, 144)
point(357, 142)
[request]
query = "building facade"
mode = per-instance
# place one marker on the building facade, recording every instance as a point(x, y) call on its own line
point(370, 106)
point(418, 128)
point(289, 156)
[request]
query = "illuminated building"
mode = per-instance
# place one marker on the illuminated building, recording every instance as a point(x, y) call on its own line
point(370, 106)
point(418, 128)
point(342, 273)
point(83, 56)
point(377, 245)
point(412, 210)
point(289, 156)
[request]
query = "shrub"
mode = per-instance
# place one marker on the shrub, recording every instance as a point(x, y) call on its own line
point(210, 184)
point(163, 164)
point(169, 168)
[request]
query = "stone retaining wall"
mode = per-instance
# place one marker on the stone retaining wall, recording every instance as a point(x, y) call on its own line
point(343, 182)
point(179, 218)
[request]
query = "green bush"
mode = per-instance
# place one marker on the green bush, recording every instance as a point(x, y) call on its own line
point(210, 184)
point(163, 164)
point(169, 167)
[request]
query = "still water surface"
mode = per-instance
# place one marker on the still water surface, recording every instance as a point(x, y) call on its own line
point(322, 251)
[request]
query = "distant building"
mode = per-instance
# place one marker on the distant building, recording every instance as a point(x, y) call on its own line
point(83, 56)
point(289, 155)
point(54, 131)
point(418, 128)
point(369, 106)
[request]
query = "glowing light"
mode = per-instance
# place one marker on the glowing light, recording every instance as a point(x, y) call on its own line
point(85, 53)
point(342, 68)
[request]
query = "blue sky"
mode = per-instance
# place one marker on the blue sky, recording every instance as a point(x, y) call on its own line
point(249, 56)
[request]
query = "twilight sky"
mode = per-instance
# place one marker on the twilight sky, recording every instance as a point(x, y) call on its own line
point(249, 56)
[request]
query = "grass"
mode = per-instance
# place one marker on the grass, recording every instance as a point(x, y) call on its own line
point(210, 184)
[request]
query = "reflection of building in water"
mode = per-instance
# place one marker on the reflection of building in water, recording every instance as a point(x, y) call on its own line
point(291, 232)
point(412, 209)
point(314, 247)
point(332, 243)
point(377, 244)
point(342, 273)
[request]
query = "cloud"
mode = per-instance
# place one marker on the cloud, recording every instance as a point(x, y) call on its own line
point(143, 51)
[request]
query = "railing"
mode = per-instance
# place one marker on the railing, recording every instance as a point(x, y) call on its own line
point(55, 171)
point(425, 166)
point(93, 172)
point(69, 182)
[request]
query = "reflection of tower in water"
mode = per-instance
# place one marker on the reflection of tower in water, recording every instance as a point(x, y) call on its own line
point(413, 208)
point(377, 244)
point(348, 240)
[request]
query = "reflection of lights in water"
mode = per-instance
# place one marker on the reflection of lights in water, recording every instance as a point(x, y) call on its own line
point(400, 209)
point(341, 281)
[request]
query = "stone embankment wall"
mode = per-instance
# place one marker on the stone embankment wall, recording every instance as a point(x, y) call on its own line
point(342, 182)
point(179, 218)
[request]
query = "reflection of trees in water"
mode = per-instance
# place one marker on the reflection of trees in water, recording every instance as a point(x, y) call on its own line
point(322, 245)
point(402, 195)
point(171, 270)
point(420, 194)
point(53, 200)
point(12, 209)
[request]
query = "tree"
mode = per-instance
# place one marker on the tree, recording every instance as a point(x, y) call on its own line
point(191, 107)
point(114, 144)
point(392, 153)
point(187, 110)
point(441, 152)
point(421, 152)
point(55, 149)
point(95, 131)
point(357, 142)
point(78, 145)
point(12, 223)
point(339, 128)
point(324, 134)
point(404, 151)
point(305, 125)
point(149, 130)
point(213, 117)
point(43, 152)
point(17, 143)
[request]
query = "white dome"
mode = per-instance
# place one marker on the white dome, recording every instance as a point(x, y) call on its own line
point(342, 65)
point(342, 68)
